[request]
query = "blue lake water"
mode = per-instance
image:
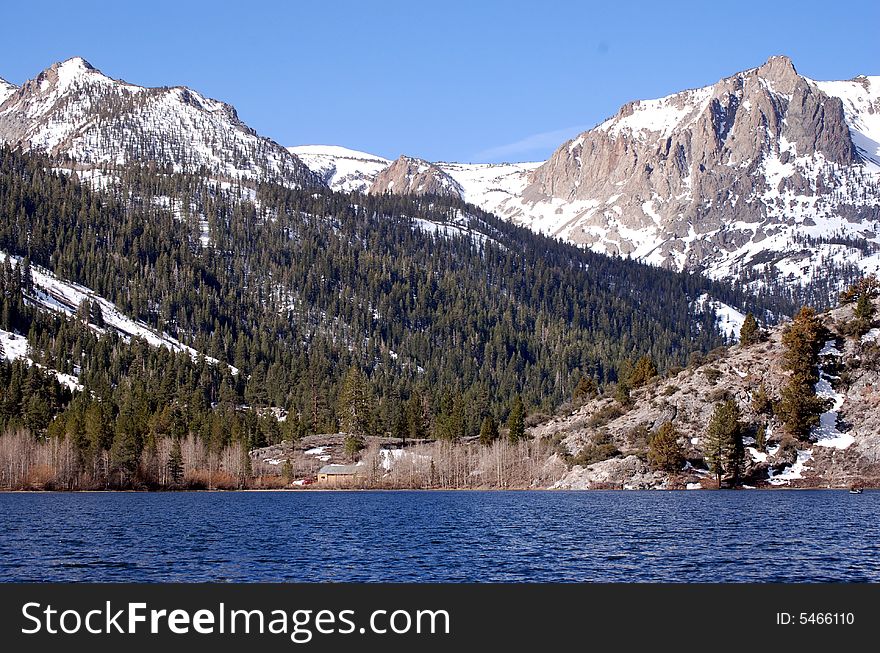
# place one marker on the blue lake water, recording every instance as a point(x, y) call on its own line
point(773, 536)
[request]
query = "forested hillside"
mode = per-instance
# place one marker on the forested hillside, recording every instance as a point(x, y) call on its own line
point(441, 313)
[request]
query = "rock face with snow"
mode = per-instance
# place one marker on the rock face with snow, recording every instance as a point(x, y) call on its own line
point(843, 449)
point(765, 177)
point(72, 109)
point(724, 178)
point(409, 176)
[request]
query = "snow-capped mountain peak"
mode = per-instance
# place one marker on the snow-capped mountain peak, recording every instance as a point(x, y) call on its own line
point(74, 110)
point(765, 176)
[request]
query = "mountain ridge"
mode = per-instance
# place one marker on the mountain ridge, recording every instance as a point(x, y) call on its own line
point(72, 110)
point(732, 179)
point(765, 177)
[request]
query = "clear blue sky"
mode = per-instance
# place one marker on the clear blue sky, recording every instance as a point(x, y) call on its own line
point(446, 80)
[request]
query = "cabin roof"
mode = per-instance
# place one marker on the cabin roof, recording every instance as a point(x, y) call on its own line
point(339, 470)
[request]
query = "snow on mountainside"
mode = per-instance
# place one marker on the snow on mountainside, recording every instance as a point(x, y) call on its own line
point(54, 294)
point(490, 186)
point(75, 110)
point(765, 177)
point(14, 346)
point(340, 168)
point(6, 89)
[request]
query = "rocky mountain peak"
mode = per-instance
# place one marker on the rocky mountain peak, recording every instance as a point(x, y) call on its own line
point(780, 72)
point(722, 178)
point(72, 109)
point(62, 74)
point(75, 64)
point(411, 176)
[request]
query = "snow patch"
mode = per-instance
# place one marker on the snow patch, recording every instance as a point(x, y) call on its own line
point(65, 297)
point(827, 434)
point(16, 347)
point(792, 472)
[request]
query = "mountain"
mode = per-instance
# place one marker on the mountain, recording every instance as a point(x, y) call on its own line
point(340, 168)
point(409, 176)
point(730, 178)
point(490, 186)
point(73, 110)
point(766, 177)
point(430, 297)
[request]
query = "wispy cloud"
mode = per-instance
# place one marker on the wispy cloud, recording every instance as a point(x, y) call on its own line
point(541, 144)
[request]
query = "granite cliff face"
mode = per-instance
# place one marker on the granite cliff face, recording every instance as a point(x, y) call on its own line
point(729, 178)
point(410, 176)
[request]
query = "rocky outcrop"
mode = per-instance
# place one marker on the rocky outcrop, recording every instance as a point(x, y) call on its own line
point(731, 179)
point(845, 450)
point(410, 176)
point(630, 473)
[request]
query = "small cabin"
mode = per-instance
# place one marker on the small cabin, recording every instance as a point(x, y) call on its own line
point(338, 474)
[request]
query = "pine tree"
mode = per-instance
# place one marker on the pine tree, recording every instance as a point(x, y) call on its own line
point(175, 463)
point(488, 431)
point(399, 425)
point(84, 311)
point(761, 438)
point(762, 404)
point(802, 342)
point(643, 371)
point(124, 455)
point(287, 471)
point(585, 389)
point(294, 429)
point(97, 314)
point(516, 421)
point(352, 445)
point(415, 417)
point(246, 471)
point(723, 446)
point(622, 393)
point(799, 407)
point(664, 451)
point(863, 314)
point(354, 404)
point(867, 286)
point(749, 333)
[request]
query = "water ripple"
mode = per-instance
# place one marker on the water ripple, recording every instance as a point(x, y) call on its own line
point(773, 536)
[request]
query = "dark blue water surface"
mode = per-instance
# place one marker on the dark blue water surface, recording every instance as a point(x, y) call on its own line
point(441, 536)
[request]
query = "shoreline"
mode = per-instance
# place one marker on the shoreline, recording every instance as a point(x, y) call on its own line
point(395, 490)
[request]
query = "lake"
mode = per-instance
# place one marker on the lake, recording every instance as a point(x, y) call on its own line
point(772, 536)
